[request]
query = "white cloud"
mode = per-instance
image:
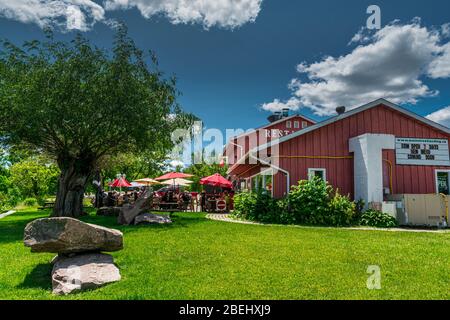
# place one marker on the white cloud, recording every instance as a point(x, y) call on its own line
point(391, 64)
point(446, 30)
point(66, 14)
point(277, 105)
point(222, 13)
point(440, 67)
point(83, 14)
point(441, 116)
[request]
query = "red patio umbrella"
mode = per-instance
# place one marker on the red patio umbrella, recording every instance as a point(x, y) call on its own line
point(120, 183)
point(174, 175)
point(216, 180)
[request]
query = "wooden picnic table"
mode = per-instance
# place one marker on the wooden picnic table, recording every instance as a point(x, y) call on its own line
point(47, 205)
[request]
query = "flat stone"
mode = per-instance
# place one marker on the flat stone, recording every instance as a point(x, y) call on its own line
point(68, 235)
point(83, 272)
point(150, 218)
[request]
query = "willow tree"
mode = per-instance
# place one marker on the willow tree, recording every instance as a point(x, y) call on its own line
point(80, 104)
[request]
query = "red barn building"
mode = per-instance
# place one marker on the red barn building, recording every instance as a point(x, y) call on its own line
point(368, 153)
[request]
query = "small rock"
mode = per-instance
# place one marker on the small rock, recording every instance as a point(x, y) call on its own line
point(150, 218)
point(83, 272)
point(68, 235)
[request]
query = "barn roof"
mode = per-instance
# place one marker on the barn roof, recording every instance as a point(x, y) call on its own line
point(340, 117)
point(350, 113)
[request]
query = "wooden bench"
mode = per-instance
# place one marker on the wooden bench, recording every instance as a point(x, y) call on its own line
point(47, 205)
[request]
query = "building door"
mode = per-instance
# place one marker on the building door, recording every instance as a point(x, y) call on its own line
point(443, 182)
point(387, 178)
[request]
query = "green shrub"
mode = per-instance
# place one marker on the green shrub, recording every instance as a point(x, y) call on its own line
point(244, 205)
point(341, 211)
point(312, 202)
point(374, 218)
point(254, 206)
point(308, 202)
point(30, 202)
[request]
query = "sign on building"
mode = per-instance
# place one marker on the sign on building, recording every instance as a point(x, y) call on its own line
point(422, 152)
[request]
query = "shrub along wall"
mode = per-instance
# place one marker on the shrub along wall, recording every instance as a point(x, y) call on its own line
point(311, 202)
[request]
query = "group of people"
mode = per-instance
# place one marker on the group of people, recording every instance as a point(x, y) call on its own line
point(208, 202)
point(171, 199)
point(117, 199)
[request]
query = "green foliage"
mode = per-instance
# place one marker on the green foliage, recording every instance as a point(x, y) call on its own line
point(9, 194)
point(341, 211)
point(312, 202)
point(204, 169)
point(374, 218)
point(35, 177)
point(308, 202)
point(261, 262)
point(256, 207)
point(77, 100)
point(244, 205)
point(30, 202)
point(133, 165)
point(80, 104)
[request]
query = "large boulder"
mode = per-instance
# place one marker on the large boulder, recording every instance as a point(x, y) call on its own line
point(68, 235)
point(109, 211)
point(142, 204)
point(83, 272)
point(150, 218)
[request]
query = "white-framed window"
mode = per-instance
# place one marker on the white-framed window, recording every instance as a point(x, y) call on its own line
point(296, 124)
point(442, 178)
point(304, 124)
point(288, 124)
point(317, 172)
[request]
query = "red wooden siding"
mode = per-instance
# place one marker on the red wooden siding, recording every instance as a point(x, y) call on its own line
point(333, 141)
point(246, 140)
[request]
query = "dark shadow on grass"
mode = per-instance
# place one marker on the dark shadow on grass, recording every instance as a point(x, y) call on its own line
point(180, 220)
point(38, 278)
point(11, 228)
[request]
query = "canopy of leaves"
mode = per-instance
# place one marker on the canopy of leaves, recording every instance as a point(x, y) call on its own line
point(76, 101)
point(205, 169)
point(34, 177)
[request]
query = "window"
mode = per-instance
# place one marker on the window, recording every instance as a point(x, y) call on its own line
point(443, 181)
point(321, 173)
point(304, 124)
point(288, 124)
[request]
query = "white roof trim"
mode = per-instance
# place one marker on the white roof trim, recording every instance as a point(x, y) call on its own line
point(351, 113)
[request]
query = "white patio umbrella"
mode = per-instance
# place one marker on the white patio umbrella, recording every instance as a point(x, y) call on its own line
point(147, 181)
point(177, 182)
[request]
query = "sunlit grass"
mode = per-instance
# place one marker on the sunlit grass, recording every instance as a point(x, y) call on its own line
point(200, 259)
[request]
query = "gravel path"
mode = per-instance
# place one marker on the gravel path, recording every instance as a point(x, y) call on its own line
point(3, 215)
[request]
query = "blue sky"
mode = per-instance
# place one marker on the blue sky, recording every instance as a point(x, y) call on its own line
point(228, 66)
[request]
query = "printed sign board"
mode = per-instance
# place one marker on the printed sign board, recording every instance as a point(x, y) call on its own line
point(422, 152)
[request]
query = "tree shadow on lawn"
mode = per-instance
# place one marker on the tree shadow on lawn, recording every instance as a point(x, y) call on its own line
point(11, 230)
point(39, 278)
point(180, 220)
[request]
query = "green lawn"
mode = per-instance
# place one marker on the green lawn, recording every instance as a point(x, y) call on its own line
point(200, 259)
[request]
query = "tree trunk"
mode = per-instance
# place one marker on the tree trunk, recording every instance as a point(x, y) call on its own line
point(71, 186)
